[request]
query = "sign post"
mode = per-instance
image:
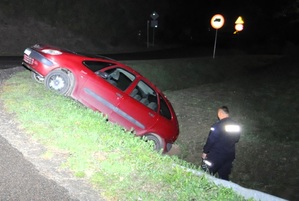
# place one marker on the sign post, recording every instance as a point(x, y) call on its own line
point(217, 22)
point(147, 33)
point(154, 24)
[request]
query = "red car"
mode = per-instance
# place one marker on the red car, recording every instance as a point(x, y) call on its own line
point(108, 86)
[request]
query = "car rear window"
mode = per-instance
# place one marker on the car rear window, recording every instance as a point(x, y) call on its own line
point(164, 109)
point(96, 65)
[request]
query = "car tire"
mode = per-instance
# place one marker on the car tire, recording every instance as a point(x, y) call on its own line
point(59, 81)
point(158, 142)
point(36, 77)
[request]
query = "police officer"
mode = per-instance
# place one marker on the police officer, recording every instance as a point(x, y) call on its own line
point(219, 150)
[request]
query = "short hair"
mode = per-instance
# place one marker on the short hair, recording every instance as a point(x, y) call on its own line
point(224, 109)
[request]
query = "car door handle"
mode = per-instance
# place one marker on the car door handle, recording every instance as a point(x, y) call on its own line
point(119, 95)
point(151, 114)
point(83, 72)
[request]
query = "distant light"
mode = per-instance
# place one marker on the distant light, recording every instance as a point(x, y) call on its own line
point(239, 27)
point(239, 24)
point(154, 15)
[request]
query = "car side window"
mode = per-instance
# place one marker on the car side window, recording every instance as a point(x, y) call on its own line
point(96, 65)
point(120, 78)
point(164, 109)
point(145, 95)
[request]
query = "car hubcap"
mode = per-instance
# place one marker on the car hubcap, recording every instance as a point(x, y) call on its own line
point(57, 83)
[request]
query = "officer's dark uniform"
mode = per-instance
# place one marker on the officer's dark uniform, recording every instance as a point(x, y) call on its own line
point(220, 146)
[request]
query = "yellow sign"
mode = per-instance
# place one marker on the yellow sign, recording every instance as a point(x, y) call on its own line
point(239, 24)
point(239, 20)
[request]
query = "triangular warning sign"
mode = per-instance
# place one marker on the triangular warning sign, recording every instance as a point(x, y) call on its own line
point(239, 20)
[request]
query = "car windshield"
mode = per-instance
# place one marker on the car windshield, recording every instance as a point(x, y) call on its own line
point(164, 109)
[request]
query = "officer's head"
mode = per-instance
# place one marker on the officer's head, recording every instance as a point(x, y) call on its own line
point(223, 112)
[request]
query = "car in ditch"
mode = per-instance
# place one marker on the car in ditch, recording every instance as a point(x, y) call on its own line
point(108, 86)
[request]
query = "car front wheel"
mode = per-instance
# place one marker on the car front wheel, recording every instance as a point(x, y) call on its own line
point(157, 141)
point(59, 81)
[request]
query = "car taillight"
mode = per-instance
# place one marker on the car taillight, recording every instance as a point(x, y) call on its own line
point(28, 59)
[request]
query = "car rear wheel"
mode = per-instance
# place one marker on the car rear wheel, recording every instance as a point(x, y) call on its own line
point(157, 141)
point(36, 77)
point(59, 81)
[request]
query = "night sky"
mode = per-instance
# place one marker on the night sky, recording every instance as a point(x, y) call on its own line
point(264, 21)
point(272, 23)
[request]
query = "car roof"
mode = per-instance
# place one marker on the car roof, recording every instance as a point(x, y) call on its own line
point(64, 50)
point(86, 56)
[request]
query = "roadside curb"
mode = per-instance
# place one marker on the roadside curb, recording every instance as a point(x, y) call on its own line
point(245, 192)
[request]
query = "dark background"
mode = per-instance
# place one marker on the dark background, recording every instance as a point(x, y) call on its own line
point(269, 26)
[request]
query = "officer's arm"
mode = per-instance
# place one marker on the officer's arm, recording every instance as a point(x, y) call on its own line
point(212, 138)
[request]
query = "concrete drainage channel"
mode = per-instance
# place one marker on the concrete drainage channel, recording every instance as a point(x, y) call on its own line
point(245, 192)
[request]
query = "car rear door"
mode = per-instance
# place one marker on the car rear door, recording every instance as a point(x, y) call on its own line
point(99, 94)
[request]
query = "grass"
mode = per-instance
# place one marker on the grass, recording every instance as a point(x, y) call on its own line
point(191, 72)
point(262, 90)
point(264, 101)
point(248, 75)
point(100, 151)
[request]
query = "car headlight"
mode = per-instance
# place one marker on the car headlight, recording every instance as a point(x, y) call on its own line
point(51, 52)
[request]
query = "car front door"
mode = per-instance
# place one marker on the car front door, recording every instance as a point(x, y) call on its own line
point(137, 110)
